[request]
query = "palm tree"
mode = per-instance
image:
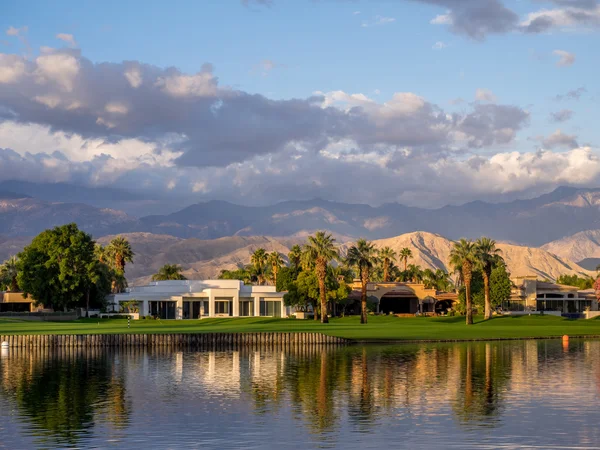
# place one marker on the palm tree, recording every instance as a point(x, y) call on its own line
point(388, 255)
point(275, 261)
point(487, 255)
point(463, 255)
point(169, 272)
point(320, 250)
point(295, 257)
point(102, 254)
point(415, 273)
point(405, 253)
point(259, 261)
point(364, 256)
point(121, 252)
point(9, 272)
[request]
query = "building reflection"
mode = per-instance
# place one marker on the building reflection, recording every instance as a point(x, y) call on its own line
point(69, 394)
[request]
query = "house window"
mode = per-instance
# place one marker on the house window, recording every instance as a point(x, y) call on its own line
point(270, 308)
point(222, 307)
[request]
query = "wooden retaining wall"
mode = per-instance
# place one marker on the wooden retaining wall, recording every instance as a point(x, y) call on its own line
point(201, 340)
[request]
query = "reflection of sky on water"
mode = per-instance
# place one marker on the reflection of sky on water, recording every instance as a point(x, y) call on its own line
point(480, 395)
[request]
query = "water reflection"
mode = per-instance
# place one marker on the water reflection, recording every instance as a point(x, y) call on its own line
point(425, 395)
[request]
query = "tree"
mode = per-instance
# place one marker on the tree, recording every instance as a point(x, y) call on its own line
point(438, 280)
point(120, 251)
point(8, 274)
point(275, 261)
point(320, 249)
point(574, 280)
point(259, 263)
point(405, 253)
point(295, 257)
point(363, 256)
point(242, 273)
point(500, 284)
point(415, 274)
point(169, 272)
point(388, 255)
point(486, 255)
point(463, 255)
point(55, 268)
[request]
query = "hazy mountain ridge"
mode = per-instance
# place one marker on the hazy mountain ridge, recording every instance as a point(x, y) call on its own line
point(202, 259)
point(579, 246)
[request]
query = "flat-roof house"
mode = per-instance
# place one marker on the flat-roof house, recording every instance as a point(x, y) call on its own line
point(196, 299)
point(530, 294)
point(16, 302)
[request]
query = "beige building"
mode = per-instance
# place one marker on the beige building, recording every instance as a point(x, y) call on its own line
point(529, 294)
point(16, 302)
point(405, 298)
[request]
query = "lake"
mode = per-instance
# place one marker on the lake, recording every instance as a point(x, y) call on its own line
point(537, 394)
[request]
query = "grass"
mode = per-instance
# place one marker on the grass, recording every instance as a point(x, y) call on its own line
point(379, 328)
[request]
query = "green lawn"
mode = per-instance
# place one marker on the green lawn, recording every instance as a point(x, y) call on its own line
point(379, 328)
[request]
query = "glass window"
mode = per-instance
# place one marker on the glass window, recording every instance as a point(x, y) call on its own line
point(270, 309)
point(221, 307)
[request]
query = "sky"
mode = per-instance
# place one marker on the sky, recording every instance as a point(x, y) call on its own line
point(421, 102)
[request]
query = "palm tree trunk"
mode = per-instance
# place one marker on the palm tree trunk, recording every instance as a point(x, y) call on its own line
point(468, 302)
point(405, 263)
point(363, 296)
point(323, 295)
point(486, 289)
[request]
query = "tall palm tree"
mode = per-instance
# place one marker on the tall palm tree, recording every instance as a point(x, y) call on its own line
point(320, 249)
point(259, 261)
point(295, 257)
point(364, 256)
point(9, 272)
point(405, 253)
point(275, 261)
point(463, 255)
point(169, 272)
point(415, 273)
point(121, 252)
point(388, 255)
point(487, 255)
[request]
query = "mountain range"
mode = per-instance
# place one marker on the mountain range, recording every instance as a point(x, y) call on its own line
point(206, 237)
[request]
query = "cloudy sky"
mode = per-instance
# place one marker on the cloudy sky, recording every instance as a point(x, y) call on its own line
point(422, 102)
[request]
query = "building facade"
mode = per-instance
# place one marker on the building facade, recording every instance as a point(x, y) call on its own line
point(530, 294)
point(196, 299)
point(16, 302)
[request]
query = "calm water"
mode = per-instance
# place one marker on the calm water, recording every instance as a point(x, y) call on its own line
point(534, 394)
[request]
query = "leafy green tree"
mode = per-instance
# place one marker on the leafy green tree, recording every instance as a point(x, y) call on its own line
point(463, 255)
point(8, 274)
point(574, 280)
point(439, 280)
point(241, 273)
point(55, 268)
point(363, 256)
point(304, 292)
point(285, 278)
point(169, 272)
point(320, 249)
point(477, 293)
point(500, 284)
point(487, 255)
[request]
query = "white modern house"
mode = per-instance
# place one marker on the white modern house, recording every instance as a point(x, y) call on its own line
point(197, 299)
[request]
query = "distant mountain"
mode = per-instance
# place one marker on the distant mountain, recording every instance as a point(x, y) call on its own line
point(202, 259)
point(531, 222)
point(578, 247)
point(28, 216)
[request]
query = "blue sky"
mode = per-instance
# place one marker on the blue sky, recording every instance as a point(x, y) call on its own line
point(285, 50)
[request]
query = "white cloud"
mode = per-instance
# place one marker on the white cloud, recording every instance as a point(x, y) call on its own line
point(565, 58)
point(12, 68)
point(442, 19)
point(68, 38)
point(202, 84)
point(485, 95)
point(134, 77)
point(565, 19)
point(13, 31)
point(116, 108)
point(439, 45)
point(60, 68)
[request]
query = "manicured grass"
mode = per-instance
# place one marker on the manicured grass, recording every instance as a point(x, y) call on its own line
point(379, 328)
